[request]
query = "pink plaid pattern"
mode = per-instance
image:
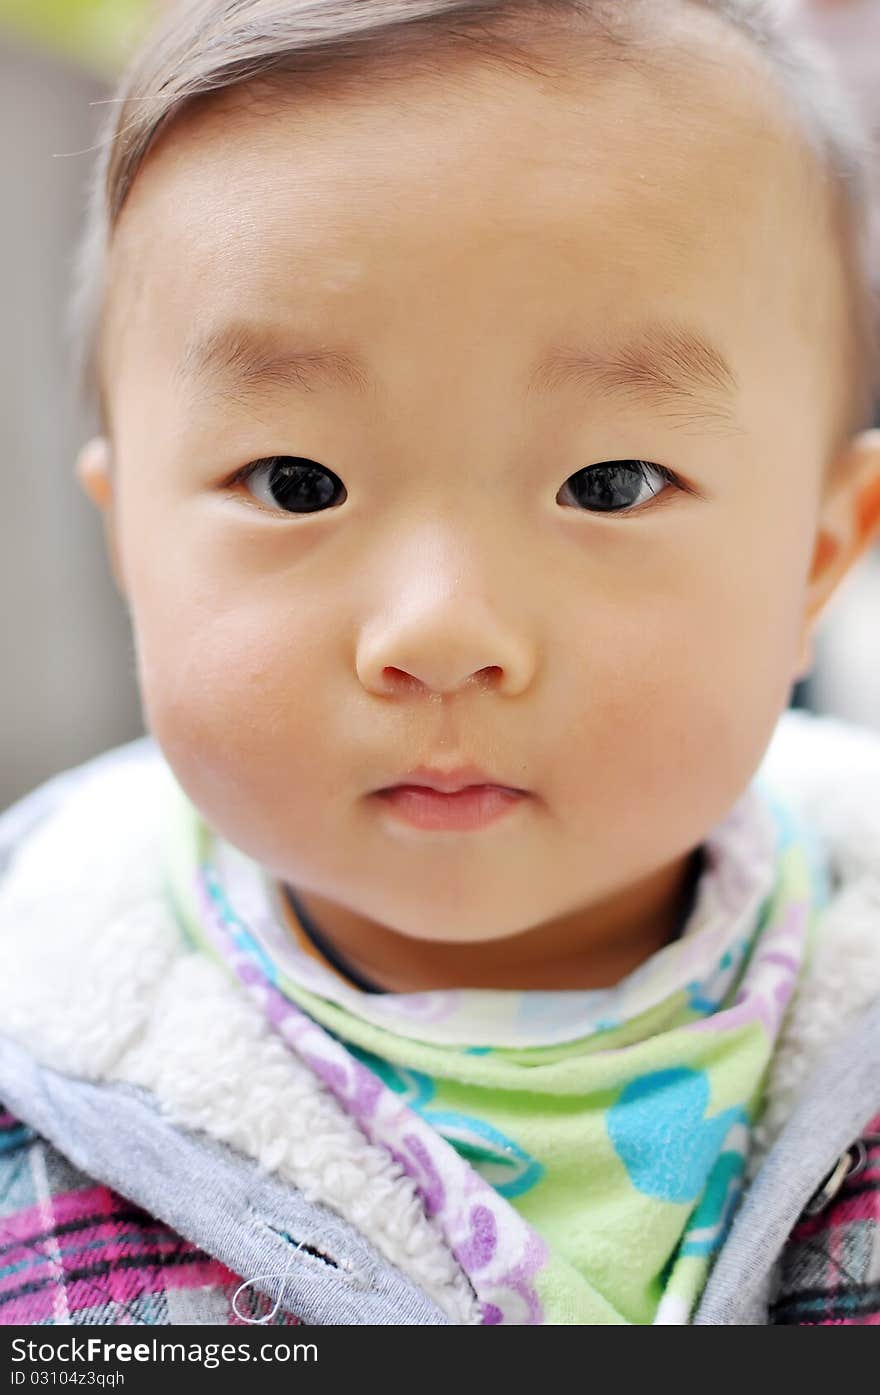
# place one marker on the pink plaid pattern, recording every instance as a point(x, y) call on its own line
point(79, 1253)
point(831, 1267)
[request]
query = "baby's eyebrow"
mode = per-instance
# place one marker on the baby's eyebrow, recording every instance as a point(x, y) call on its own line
point(665, 366)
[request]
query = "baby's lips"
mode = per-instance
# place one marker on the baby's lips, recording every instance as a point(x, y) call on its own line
point(451, 779)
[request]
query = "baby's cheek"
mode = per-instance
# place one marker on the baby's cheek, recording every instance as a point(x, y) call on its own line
point(734, 679)
point(235, 713)
point(677, 713)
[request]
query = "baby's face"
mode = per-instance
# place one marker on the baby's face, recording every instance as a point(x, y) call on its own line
point(462, 578)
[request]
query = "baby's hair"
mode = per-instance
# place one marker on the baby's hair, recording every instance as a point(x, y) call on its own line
point(204, 47)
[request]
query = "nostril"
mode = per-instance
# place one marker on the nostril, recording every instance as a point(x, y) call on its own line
point(398, 678)
point(485, 677)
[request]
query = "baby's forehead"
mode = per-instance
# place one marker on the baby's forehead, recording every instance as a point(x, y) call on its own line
point(689, 76)
point(680, 144)
point(681, 116)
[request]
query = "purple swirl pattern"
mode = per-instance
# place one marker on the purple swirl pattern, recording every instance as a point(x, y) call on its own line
point(770, 978)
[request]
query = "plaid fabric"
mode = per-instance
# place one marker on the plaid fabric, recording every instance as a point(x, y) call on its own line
point(830, 1274)
point(72, 1252)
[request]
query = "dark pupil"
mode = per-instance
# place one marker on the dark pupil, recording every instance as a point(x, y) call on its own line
point(302, 486)
point(607, 486)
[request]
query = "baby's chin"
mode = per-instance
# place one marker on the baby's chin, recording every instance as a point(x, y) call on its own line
point(462, 924)
point(470, 934)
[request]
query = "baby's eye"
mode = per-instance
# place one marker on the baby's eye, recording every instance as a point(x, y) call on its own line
point(618, 486)
point(292, 483)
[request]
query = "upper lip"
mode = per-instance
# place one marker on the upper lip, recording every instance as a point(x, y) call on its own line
point(449, 781)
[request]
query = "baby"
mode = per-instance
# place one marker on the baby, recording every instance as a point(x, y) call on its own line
point(485, 395)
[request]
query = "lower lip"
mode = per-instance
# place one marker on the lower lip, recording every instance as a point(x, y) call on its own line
point(473, 807)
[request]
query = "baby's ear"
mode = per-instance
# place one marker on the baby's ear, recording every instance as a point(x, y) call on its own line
point(94, 471)
point(848, 524)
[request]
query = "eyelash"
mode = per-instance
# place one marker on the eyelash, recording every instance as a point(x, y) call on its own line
point(668, 476)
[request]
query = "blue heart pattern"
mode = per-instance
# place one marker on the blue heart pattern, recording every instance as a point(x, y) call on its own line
point(660, 1132)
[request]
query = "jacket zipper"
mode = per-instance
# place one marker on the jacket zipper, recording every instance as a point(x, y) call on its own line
point(849, 1164)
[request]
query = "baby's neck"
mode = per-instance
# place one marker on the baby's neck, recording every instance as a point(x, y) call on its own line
point(591, 948)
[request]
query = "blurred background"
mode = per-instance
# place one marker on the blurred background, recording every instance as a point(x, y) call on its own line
point(68, 673)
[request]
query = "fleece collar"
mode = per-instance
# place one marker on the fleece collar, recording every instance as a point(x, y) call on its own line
point(829, 772)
